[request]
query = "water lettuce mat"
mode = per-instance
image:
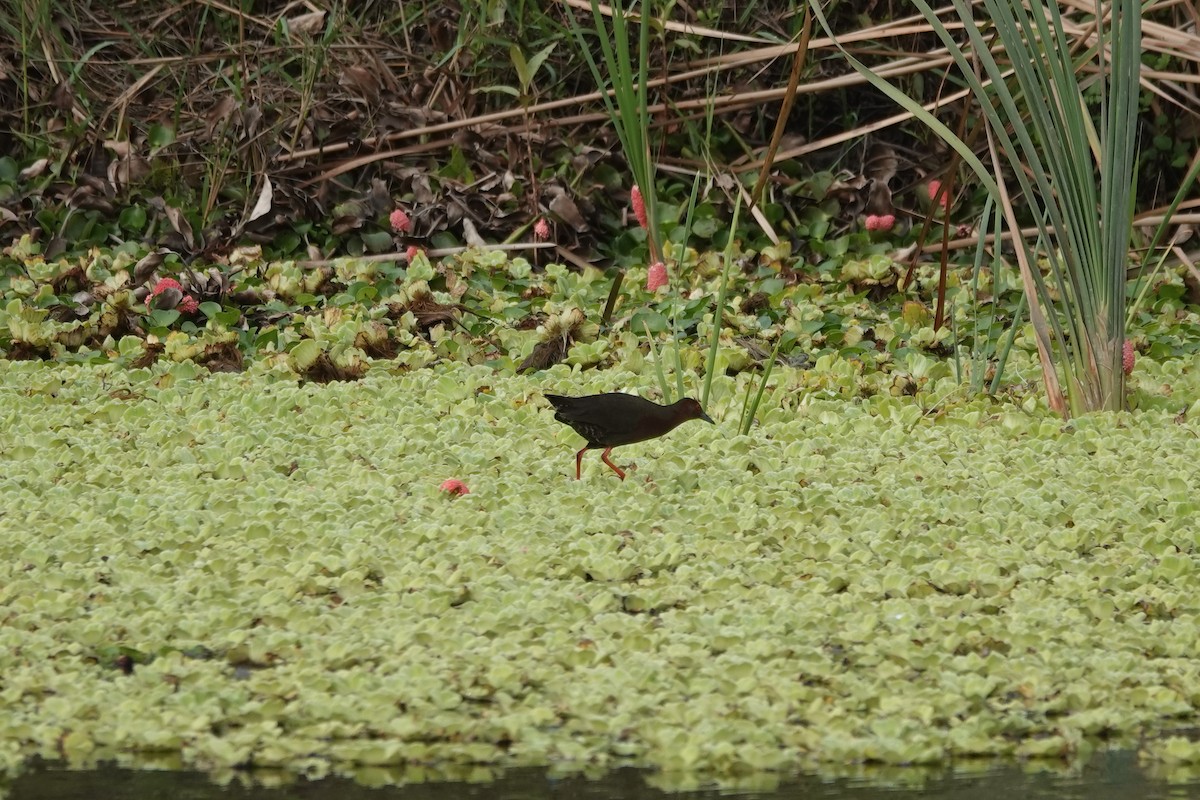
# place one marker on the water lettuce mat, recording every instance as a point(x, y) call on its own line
point(238, 570)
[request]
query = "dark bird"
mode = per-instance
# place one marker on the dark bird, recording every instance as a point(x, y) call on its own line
point(613, 419)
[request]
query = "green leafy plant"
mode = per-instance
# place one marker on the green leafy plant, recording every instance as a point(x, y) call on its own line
point(628, 113)
point(1073, 174)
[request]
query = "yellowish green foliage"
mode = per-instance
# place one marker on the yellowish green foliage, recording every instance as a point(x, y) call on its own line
point(895, 579)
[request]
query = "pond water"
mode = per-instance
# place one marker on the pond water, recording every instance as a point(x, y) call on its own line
point(1114, 775)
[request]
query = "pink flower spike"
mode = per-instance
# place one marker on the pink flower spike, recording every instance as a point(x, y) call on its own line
point(163, 285)
point(412, 252)
point(935, 186)
point(454, 487)
point(541, 230)
point(880, 222)
point(639, 206)
point(656, 276)
point(185, 305)
point(1127, 357)
point(400, 221)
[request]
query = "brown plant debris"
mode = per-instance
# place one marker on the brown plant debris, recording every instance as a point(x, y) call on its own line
point(221, 357)
point(562, 331)
point(375, 341)
point(149, 356)
point(324, 370)
point(427, 311)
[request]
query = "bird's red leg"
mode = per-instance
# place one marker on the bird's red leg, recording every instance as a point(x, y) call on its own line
point(615, 468)
point(579, 461)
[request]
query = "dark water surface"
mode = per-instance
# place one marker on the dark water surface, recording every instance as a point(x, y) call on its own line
point(1108, 776)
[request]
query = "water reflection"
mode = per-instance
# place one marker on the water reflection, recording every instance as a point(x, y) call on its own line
point(1112, 775)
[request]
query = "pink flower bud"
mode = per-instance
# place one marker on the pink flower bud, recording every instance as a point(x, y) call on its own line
point(656, 277)
point(400, 221)
point(935, 186)
point(639, 206)
point(880, 222)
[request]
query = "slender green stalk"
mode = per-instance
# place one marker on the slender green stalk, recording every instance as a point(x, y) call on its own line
point(1002, 360)
point(628, 114)
point(1074, 175)
point(687, 236)
point(719, 311)
point(678, 362)
point(658, 368)
point(1143, 284)
point(748, 417)
point(980, 357)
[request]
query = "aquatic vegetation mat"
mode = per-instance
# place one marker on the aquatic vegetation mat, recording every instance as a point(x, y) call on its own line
point(239, 569)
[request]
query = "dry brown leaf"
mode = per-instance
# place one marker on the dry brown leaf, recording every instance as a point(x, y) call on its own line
point(63, 97)
point(308, 24)
point(879, 168)
point(562, 206)
point(263, 205)
point(218, 114)
point(178, 221)
point(470, 235)
point(361, 81)
point(128, 167)
point(87, 197)
point(35, 169)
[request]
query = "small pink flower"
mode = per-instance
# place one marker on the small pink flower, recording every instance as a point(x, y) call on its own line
point(656, 277)
point(186, 305)
point(541, 230)
point(412, 252)
point(935, 186)
point(164, 284)
point(454, 487)
point(1127, 357)
point(400, 221)
point(639, 206)
point(880, 222)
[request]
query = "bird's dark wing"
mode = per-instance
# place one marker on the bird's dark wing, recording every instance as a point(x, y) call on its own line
point(610, 419)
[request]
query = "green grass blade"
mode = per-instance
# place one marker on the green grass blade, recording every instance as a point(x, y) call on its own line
point(718, 312)
point(687, 235)
point(906, 102)
point(658, 368)
point(748, 418)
